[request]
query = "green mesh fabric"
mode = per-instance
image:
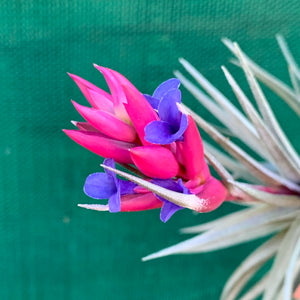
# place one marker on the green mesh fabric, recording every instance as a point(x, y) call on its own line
point(50, 248)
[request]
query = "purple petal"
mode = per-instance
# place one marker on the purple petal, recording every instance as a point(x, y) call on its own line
point(154, 102)
point(172, 185)
point(184, 189)
point(167, 210)
point(99, 186)
point(159, 132)
point(172, 83)
point(126, 187)
point(111, 163)
point(168, 110)
point(182, 128)
point(168, 184)
point(114, 202)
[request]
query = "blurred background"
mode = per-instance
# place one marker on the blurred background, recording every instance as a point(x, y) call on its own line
point(50, 248)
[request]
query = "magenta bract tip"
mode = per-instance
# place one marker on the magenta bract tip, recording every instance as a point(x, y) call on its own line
point(104, 99)
point(124, 81)
point(116, 89)
point(102, 145)
point(101, 102)
point(84, 126)
point(114, 85)
point(155, 161)
point(107, 123)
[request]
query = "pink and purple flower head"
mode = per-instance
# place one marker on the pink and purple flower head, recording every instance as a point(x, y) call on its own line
point(149, 134)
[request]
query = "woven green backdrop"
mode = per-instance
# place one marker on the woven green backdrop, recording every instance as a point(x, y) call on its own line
point(50, 248)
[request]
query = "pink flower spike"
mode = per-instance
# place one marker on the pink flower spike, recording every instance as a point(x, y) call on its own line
point(140, 112)
point(212, 194)
point(139, 202)
point(193, 152)
point(107, 123)
point(102, 145)
point(155, 161)
point(104, 99)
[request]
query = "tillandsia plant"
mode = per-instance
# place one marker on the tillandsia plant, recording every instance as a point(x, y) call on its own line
point(157, 140)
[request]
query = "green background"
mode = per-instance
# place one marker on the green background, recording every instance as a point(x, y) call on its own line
point(50, 248)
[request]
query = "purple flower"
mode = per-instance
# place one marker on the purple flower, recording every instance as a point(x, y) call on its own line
point(172, 123)
point(108, 186)
point(161, 90)
point(169, 208)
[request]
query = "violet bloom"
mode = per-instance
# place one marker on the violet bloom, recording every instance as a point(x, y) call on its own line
point(108, 186)
point(161, 90)
point(169, 208)
point(172, 123)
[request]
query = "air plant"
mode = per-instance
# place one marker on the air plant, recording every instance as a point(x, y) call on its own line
point(159, 130)
point(269, 187)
